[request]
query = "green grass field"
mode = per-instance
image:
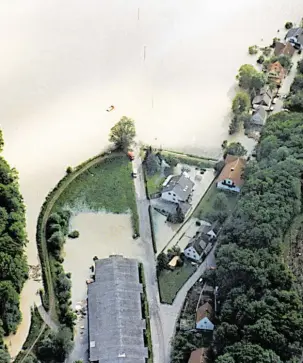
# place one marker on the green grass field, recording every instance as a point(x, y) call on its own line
point(206, 204)
point(170, 282)
point(107, 186)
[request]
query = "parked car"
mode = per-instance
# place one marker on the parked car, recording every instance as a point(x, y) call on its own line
point(131, 155)
point(134, 173)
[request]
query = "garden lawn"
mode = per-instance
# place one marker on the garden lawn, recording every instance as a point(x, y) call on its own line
point(170, 282)
point(107, 186)
point(154, 183)
point(206, 205)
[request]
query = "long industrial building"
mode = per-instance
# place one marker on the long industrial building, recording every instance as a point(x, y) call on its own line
point(116, 327)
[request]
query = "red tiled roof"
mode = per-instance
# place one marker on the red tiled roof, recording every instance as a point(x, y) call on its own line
point(204, 311)
point(199, 356)
point(233, 170)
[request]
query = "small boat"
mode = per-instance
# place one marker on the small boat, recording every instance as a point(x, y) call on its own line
point(111, 108)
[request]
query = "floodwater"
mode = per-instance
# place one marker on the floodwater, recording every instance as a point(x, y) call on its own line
point(170, 65)
point(101, 235)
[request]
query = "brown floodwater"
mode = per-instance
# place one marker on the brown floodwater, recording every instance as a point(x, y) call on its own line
point(169, 65)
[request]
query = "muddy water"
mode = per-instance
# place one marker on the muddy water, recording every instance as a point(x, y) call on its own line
point(101, 235)
point(64, 63)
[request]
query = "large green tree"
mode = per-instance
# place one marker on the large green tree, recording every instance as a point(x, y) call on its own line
point(235, 148)
point(123, 133)
point(55, 347)
point(9, 307)
point(241, 102)
point(250, 79)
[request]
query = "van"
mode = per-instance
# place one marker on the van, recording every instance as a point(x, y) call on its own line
point(134, 173)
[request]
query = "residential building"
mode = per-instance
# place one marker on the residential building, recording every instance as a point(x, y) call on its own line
point(259, 116)
point(204, 314)
point(115, 324)
point(284, 49)
point(276, 73)
point(177, 188)
point(173, 263)
point(199, 356)
point(201, 243)
point(295, 36)
point(230, 177)
point(264, 97)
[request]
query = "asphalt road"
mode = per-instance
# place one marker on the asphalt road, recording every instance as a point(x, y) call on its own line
point(149, 265)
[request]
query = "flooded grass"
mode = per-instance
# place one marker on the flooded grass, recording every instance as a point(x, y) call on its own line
point(107, 186)
point(170, 282)
point(206, 204)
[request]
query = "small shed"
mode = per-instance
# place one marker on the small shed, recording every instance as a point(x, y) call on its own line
point(173, 263)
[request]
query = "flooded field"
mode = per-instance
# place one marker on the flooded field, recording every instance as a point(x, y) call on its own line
point(169, 65)
point(101, 235)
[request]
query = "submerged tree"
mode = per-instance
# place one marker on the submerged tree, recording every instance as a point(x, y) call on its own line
point(123, 133)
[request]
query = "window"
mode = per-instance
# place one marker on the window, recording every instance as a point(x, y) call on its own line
point(174, 194)
point(169, 193)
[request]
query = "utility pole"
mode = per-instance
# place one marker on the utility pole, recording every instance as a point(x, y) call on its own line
point(138, 13)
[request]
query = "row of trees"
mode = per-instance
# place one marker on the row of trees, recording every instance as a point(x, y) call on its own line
point(261, 313)
point(13, 263)
point(56, 232)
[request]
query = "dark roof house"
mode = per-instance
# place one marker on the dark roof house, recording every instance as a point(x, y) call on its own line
point(177, 188)
point(295, 36)
point(115, 321)
point(284, 49)
point(262, 99)
point(259, 116)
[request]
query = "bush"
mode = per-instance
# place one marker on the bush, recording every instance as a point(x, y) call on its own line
point(253, 50)
point(266, 51)
point(261, 59)
point(69, 170)
point(288, 25)
point(74, 234)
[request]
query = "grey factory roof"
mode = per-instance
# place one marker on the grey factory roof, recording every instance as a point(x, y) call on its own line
point(181, 185)
point(114, 312)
